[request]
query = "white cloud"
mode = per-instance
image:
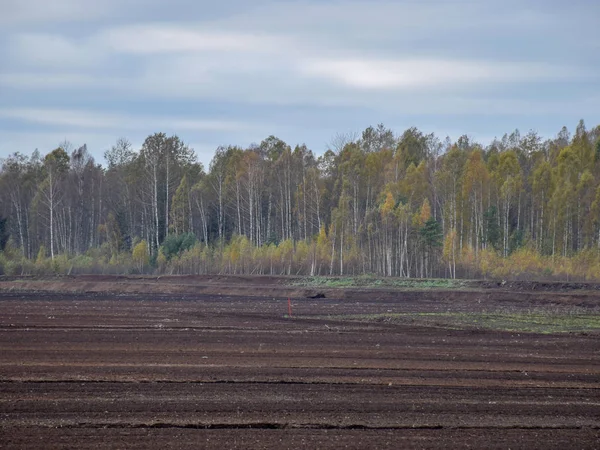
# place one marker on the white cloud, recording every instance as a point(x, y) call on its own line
point(410, 73)
point(168, 38)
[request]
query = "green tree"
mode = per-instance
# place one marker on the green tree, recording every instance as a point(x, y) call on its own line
point(431, 234)
point(175, 244)
point(412, 147)
point(4, 235)
point(492, 229)
point(374, 140)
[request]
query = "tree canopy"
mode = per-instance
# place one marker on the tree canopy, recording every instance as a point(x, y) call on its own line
point(407, 205)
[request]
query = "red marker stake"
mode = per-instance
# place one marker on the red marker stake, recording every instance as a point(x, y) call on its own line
point(289, 307)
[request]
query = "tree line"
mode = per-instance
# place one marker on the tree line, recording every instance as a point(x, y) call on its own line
point(409, 205)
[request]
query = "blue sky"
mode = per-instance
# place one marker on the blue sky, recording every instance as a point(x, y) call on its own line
point(234, 72)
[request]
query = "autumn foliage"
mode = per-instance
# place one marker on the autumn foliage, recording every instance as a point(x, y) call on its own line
point(405, 206)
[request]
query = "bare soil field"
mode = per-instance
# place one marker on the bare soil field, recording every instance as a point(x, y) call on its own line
point(216, 362)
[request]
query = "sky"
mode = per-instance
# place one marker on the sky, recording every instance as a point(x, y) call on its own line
point(234, 72)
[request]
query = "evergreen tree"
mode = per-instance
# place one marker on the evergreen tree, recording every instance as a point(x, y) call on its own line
point(492, 227)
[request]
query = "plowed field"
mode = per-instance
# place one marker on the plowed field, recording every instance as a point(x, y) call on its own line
point(181, 363)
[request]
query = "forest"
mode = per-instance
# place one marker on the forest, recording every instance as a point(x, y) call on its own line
point(375, 203)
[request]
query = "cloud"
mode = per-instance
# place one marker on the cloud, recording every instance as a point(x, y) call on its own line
point(168, 38)
point(276, 52)
point(89, 66)
point(410, 73)
point(328, 17)
point(18, 12)
point(99, 120)
point(356, 23)
point(56, 51)
point(48, 81)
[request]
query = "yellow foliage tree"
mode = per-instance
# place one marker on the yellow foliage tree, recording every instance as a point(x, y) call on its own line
point(425, 213)
point(323, 248)
point(140, 255)
point(449, 252)
point(387, 206)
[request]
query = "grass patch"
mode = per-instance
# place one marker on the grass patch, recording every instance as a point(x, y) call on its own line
point(534, 322)
point(374, 282)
